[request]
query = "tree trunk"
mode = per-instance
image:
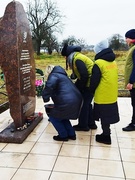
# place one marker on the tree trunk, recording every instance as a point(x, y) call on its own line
point(38, 47)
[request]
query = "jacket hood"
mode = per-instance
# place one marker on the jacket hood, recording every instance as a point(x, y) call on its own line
point(70, 60)
point(101, 46)
point(59, 69)
point(106, 54)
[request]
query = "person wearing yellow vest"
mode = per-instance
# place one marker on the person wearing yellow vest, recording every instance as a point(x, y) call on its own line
point(81, 67)
point(130, 75)
point(104, 86)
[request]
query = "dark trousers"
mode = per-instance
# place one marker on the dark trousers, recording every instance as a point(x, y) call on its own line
point(106, 128)
point(132, 94)
point(86, 115)
point(63, 127)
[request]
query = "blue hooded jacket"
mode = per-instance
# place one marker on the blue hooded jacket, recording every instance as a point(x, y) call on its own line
point(66, 97)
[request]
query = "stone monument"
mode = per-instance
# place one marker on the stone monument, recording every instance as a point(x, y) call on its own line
point(17, 63)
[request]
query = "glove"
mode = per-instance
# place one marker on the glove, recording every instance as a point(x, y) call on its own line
point(46, 100)
point(73, 76)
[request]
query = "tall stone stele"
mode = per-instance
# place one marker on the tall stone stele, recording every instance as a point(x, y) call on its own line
point(17, 62)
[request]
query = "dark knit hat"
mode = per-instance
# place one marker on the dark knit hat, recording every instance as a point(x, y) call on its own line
point(64, 49)
point(130, 34)
point(67, 50)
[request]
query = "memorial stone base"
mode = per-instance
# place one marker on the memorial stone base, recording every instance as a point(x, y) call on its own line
point(11, 135)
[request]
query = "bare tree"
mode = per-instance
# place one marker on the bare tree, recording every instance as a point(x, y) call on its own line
point(71, 40)
point(117, 42)
point(50, 43)
point(43, 15)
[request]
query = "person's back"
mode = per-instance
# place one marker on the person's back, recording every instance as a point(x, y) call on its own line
point(66, 97)
point(107, 90)
point(67, 102)
point(104, 86)
point(80, 58)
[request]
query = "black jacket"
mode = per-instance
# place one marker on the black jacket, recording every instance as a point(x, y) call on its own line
point(66, 97)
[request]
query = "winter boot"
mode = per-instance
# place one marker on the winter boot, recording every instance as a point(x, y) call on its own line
point(106, 139)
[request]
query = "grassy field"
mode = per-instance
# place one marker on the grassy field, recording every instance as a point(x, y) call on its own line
point(44, 60)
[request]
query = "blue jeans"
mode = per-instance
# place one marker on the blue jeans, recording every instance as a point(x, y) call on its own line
point(63, 127)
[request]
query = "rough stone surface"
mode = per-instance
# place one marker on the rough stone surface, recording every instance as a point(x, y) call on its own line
point(17, 62)
point(11, 135)
point(18, 65)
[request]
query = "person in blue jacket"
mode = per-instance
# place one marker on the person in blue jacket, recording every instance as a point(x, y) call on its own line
point(67, 103)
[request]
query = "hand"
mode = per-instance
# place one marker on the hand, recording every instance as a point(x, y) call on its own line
point(129, 86)
point(73, 76)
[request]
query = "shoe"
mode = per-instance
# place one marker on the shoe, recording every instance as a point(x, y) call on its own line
point(93, 126)
point(130, 127)
point(58, 138)
point(78, 128)
point(106, 139)
point(72, 137)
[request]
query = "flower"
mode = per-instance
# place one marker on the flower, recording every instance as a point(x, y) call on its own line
point(39, 86)
point(39, 82)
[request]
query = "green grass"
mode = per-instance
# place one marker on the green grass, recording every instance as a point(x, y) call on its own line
point(44, 60)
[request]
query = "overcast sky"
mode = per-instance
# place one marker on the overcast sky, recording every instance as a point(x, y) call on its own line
point(92, 20)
